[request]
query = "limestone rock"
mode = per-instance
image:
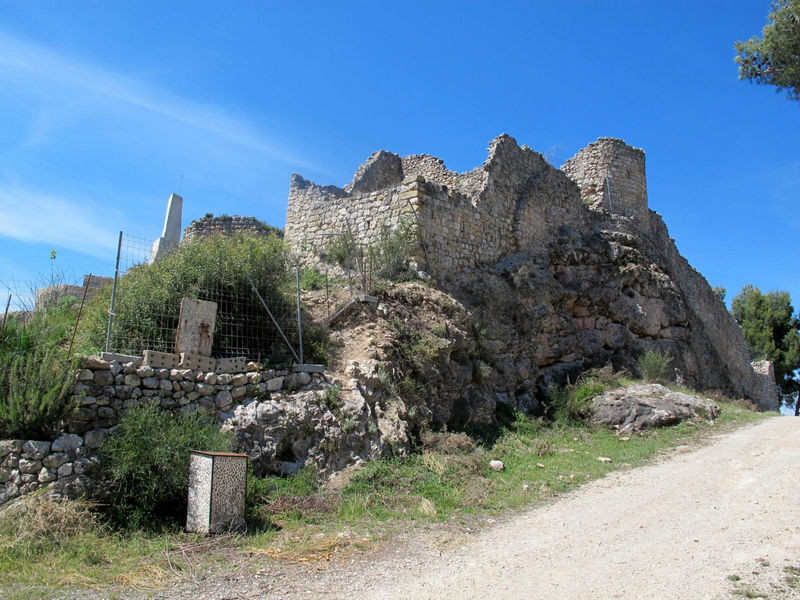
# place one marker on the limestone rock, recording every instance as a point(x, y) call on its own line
point(645, 406)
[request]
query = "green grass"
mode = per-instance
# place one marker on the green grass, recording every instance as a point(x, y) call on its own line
point(447, 480)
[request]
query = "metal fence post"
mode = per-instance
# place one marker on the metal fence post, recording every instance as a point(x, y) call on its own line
point(113, 295)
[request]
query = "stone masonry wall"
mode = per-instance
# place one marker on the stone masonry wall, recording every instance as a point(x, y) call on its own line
point(625, 189)
point(208, 226)
point(103, 392)
point(463, 220)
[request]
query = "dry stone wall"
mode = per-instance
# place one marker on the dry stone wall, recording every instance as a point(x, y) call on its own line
point(103, 392)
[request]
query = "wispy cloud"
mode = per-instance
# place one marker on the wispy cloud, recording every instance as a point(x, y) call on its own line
point(86, 85)
point(69, 222)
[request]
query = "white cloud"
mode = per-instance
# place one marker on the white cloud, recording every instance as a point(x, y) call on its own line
point(69, 222)
point(71, 84)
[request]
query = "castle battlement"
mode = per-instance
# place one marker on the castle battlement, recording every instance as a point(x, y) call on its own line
point(505, 206)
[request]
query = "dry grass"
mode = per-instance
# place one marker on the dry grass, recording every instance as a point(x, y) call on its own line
point(36, 522)
point(446, 442)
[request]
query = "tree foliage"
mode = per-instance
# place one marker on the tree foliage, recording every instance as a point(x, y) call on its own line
point(775, 58)
point(770, 327)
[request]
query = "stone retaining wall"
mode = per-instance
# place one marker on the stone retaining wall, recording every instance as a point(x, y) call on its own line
point(61, 465)
point(103, 392)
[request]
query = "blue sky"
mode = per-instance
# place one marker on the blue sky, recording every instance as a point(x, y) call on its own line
point(105, 106)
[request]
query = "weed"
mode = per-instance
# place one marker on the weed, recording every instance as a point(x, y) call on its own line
point(654, 366)
point(439, 330)
point(311, 279)
point(331, 397)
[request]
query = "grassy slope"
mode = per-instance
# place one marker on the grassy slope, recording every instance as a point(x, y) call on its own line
point(448, 480)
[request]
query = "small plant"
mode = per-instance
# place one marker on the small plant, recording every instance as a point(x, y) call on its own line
point(209, 215)
point(331, 397)
point(145, 465)
point(572, 404)
point(311, 279)
point(654, 366)
point(35, 394)
point(439, 330)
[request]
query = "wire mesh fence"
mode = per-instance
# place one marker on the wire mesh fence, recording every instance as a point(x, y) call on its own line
point(47, 313)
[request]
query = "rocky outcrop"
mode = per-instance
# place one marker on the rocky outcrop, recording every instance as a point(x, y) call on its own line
point(564, 270)
point(647, 406)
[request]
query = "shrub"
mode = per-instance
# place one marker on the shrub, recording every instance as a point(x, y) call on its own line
point(311, 279)
point(216, 268)
point(145, 465)
point(391, 253)
point(572, 403)
point(34, 394)
point(654, 366)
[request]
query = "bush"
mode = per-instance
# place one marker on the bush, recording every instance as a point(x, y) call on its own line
point(145, 465)
point(572, 404)
point(35, 394)
point(654, 366)
point(217, 268)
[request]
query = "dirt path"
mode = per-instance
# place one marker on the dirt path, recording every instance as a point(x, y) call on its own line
point(683, 528)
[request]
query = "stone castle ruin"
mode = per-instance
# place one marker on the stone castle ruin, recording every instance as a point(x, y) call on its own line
point(587, 270)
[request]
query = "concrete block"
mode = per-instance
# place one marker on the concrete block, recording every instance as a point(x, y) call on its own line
point(309, 368)
point(232, 365)
point(121, 358)
point(196, 361)
point(196, 327)
point(160, 360)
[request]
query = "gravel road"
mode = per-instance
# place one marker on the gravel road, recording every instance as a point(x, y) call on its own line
point(719, 521)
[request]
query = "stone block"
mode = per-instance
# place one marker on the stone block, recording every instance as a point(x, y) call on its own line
point(223, 400)
point(239, 392)
point(196, 327)
point(237, 364)
point(121, 358)
point(103, 378)
point(150, 383)
point(35, 450)
point(28, 466)
point(274, 384)
point(85, 375)
point(197, 361)
point(9, 446)
point(95, 438)
point(95, 363)
point(145, 371)
point(55, 460)
point(239, 379)
point(65, 470)
point(224, 379)
point(159, 360)
point(47, 475)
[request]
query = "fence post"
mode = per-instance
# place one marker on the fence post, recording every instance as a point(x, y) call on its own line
point(113, 295)
point(299, 317)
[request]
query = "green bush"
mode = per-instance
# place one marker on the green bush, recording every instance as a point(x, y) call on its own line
point(145, 465)
point(311, 279)
point(391, 253)
point(35, 393)
point(654, 366)
point(216, 268)
point(572, 404)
